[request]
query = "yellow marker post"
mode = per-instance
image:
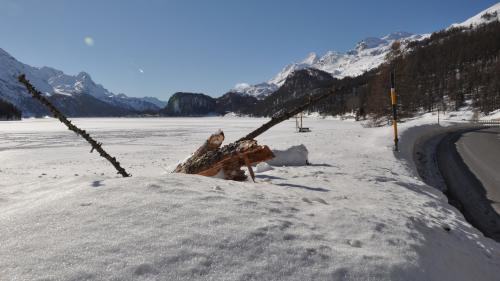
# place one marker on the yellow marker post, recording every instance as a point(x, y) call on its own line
point(394, 101)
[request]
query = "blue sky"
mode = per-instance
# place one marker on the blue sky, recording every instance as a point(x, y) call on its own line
point(156, 48)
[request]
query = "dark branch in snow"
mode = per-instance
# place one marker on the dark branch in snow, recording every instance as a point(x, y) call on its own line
point(57, 114)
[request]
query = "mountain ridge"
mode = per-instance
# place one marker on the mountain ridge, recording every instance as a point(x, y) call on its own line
point(366, 55)
point(52, 82)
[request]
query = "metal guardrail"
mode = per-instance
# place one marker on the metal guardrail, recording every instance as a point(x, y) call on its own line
point(486, 122)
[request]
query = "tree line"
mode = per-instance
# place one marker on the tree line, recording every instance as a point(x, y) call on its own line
point(8, 111)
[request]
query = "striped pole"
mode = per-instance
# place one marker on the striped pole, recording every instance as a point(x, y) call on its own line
point(394, 110)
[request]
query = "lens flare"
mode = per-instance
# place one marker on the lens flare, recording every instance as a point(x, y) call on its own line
point(89, 41)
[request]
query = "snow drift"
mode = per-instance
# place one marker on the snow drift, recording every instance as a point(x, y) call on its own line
point(293, 156)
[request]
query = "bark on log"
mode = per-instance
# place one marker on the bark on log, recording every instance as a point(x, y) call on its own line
point(211, 144)
point(57, 114)
point(232, 170)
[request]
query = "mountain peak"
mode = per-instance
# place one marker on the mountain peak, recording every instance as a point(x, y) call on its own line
point(259, 90)
point(397, 35)
point(83, 76)
point(374, 42)
point(370, 42)
point(310, 59)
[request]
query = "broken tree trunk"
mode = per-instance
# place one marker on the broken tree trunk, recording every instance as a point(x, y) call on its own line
point(57, 114)
point(210, 158)
point(229, 158)
point(211, 144)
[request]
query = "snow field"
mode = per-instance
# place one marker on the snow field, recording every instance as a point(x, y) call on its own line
point(356, 213)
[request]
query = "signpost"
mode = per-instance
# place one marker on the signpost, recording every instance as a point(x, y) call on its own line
point(394, 110)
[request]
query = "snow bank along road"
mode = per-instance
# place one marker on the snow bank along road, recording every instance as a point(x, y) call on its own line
point(469, 161)
point(357, 213)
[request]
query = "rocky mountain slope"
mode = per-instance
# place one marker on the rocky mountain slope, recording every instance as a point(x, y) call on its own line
point(189, 104)
point(76, 95)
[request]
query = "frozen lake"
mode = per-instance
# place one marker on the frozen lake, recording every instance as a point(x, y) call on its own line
point(356, 213)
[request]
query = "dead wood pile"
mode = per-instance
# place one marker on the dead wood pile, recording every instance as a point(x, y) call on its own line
point(212, 158)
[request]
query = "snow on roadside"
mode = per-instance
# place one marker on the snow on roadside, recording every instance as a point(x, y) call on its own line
point(357, 213)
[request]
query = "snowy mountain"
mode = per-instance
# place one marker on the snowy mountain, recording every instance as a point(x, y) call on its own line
point(56, 84)
point(368, 54)
point(489, 15)
point(259, 91)
point(153, 100)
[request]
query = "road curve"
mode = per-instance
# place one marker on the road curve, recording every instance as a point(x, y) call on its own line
point(469, 161)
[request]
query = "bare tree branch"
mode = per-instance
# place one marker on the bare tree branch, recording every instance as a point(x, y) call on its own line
point(57, 114)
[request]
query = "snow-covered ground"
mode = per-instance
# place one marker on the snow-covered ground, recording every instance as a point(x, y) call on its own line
point(357, 213)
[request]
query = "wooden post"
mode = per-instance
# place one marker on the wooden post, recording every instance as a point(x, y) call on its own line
point(394, 110)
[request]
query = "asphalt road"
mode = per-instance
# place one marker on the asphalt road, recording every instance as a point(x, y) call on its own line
point(480, 151)
point(469, 161)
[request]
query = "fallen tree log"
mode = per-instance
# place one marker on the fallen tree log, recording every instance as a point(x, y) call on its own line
point(229, 158)
point(210, 158)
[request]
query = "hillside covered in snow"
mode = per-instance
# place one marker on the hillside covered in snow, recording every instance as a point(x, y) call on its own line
point(487, 16)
